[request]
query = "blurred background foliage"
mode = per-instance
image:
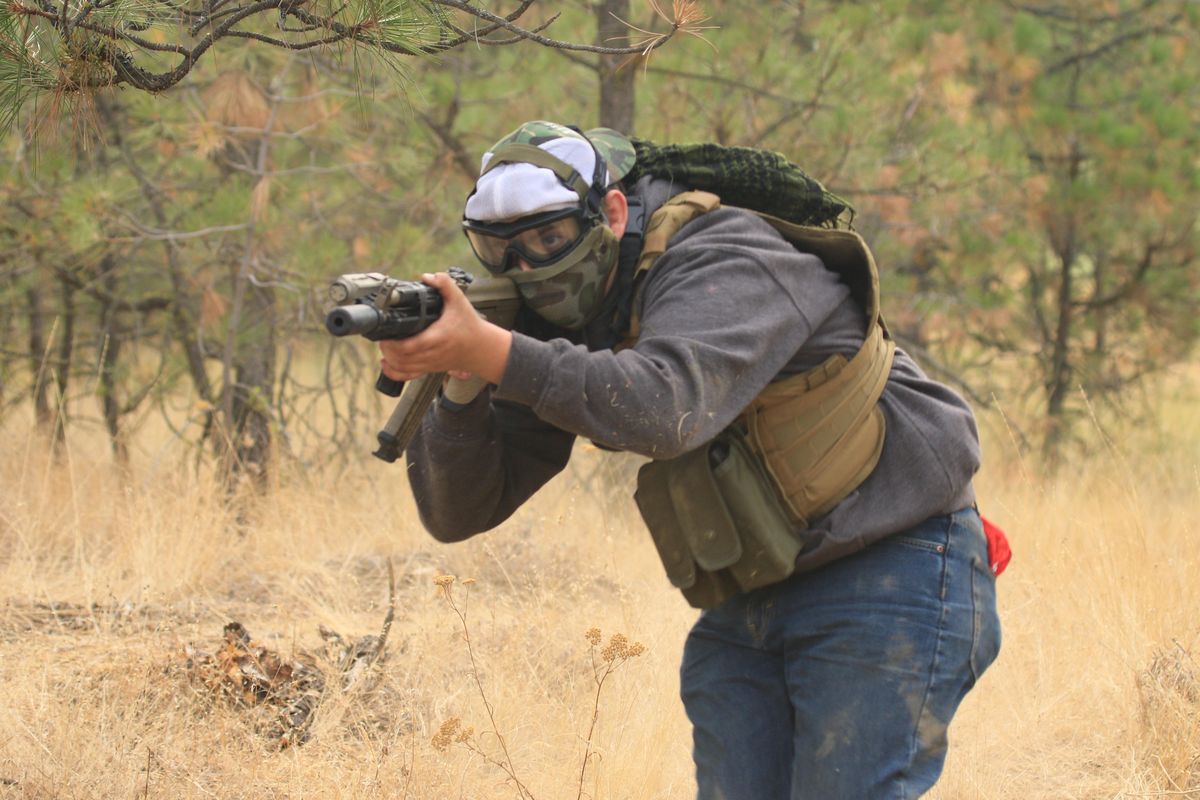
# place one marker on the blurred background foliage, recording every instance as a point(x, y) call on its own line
point(1027, 174)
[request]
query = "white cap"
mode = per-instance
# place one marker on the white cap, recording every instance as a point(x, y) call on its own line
point(518, 190)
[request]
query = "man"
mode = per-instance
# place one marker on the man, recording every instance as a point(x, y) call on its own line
point(832, 670)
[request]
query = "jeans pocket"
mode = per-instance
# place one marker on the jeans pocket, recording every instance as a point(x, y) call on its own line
point(985, 634)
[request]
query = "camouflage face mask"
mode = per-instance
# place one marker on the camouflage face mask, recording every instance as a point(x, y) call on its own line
point(570, 292)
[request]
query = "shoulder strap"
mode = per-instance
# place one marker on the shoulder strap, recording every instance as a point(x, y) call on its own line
point(668, 219)
point(664, 224)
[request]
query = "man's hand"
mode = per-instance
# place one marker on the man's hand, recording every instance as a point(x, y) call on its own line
point(460, 342)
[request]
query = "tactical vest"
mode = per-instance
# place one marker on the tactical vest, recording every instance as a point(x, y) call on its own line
point(816, 435)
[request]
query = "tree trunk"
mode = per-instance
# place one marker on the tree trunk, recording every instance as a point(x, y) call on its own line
point(249, 358)
point(184, 326)
point(617, 94)
point(38, 358)
point(253, 389)
point(110, 350)
point(1058, 381)
point(1100, 315)
point(8, 333)
point(66, 349)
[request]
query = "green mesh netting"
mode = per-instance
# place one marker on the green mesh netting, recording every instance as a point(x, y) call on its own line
point(746, 177)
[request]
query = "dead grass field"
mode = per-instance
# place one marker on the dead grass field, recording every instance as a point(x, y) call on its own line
point(107, 581)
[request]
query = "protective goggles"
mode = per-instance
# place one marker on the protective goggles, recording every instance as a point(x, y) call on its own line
point(540, 239)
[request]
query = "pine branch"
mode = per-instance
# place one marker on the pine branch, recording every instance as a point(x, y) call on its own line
point(68, 49)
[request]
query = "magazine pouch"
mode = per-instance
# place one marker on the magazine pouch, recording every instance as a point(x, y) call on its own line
point(716, 521)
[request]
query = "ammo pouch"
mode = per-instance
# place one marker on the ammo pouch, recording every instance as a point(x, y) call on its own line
point(717, 521)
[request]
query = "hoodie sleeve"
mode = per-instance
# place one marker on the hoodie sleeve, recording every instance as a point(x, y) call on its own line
point(471, 469)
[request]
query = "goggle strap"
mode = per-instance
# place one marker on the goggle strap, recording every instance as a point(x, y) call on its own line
point(521, 153)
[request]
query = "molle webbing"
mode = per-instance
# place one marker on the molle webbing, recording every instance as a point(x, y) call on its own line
point(819, 433)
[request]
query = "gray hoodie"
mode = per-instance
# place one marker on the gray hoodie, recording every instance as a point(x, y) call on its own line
point(727, 309)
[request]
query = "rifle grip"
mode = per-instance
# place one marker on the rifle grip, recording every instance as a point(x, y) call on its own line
point(388, 386)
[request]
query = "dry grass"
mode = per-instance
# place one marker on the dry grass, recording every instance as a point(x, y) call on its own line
point(104, 580)
point(1098, 607)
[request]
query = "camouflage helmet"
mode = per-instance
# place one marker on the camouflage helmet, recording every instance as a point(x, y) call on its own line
point(615, 148)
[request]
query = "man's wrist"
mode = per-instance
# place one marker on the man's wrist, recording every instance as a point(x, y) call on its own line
point(492, 354)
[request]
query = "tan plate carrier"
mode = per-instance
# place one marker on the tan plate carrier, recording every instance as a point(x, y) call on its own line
point(818, 434)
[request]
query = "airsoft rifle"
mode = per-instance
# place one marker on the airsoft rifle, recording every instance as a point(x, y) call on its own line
point(375, 306)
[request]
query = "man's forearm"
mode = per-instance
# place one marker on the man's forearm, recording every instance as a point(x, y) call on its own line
point(470, 469)
point(490, 354)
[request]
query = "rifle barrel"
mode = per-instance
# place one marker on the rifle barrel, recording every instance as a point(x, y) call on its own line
point(357, 318)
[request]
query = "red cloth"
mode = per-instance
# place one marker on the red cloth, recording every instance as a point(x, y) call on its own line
point(999, 552)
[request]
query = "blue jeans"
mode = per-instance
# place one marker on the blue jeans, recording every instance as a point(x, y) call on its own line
point(839, 684)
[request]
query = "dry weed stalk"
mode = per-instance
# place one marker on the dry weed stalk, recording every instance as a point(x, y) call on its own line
point(618, 650)
point(451, 729)
point(604, 660)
